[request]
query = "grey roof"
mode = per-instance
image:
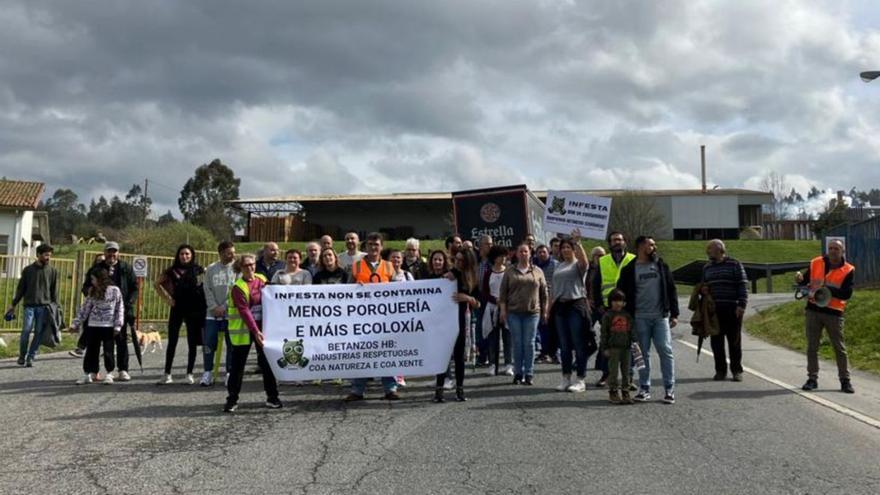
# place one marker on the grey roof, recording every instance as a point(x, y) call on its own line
point(413, 196)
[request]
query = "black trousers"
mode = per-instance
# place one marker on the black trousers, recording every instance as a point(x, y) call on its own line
point(495, 346)
point(731, 330)
point(195, 321)
point(458, 357)
point(95, 337)
point(236, 373)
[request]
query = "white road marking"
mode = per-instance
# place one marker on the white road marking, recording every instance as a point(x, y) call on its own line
point(807, 395)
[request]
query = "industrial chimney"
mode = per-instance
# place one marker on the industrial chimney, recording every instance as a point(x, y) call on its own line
point(703, 165)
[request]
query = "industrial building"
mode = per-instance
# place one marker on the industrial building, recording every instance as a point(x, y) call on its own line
point(689, 213)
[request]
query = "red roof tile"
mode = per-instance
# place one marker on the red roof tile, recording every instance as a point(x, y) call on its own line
point(20, 194)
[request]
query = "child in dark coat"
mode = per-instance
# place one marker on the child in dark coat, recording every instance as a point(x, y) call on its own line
point(617, 336)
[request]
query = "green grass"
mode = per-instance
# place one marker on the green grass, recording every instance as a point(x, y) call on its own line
point(784, 325)
point(68, 342)
point(678, 253)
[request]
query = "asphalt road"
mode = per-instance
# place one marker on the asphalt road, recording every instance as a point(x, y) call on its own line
point(720, 437)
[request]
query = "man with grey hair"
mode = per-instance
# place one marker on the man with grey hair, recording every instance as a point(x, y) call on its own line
point(352, 254)
point(725, 279)
point(326, 242)
point(311, 263)
point(413, 261)
point(833, 272)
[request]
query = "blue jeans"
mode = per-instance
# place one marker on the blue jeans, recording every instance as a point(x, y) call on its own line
point(523, 327)
point(34, 319)
point(359, 385)
point(571, 328)
point(656, 330)
point(213, 329)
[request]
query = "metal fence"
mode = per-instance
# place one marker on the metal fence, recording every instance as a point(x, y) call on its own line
point(862, 249)
point(71, 274)
point(10, 273)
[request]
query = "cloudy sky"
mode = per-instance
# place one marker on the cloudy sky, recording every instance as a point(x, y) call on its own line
point(382, 96)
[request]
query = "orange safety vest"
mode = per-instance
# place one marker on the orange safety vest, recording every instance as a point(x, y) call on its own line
point(363, 272)
point(833, 279)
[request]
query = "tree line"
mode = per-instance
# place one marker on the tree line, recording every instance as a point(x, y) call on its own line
point(201, 202)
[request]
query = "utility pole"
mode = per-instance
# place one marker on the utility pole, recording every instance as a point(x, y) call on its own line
point(144, 201)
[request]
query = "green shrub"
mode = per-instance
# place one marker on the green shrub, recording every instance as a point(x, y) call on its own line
point(165, 240)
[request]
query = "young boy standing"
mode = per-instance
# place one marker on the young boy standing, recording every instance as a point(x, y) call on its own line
point(617, 336)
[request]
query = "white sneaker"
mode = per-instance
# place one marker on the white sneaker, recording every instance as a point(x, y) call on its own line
point(207, 379)
point(564, 384)
point(508, 369)
point(190, 379)
point(86, 379)
point(124, 376)
point(448, 384)
point(165, 380)
point(491, 370)
point(577, 386)
point(108, 380)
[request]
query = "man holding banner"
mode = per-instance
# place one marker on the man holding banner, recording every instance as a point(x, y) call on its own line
point(372, 269)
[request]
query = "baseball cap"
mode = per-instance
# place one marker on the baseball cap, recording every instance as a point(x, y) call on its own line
point(111, 245)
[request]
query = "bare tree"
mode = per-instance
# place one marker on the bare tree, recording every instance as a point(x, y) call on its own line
point(635, 213)
point(776, 185)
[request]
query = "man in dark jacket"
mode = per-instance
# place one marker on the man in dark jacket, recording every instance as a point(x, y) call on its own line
point(38, 288)
point(123, 277)
point(727, 282)
point(652, 300)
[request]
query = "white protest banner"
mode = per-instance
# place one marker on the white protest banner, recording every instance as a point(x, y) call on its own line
point(567, 211)
point(359, 331)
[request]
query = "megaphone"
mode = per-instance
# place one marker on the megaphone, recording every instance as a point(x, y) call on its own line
point(822, 297)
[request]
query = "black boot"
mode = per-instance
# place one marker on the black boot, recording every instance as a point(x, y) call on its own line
point(811, 384)
point(846, 386)
point(438, 395)
point(459, 394)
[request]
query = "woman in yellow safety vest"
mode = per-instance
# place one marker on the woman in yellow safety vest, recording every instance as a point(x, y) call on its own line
point(245, 317)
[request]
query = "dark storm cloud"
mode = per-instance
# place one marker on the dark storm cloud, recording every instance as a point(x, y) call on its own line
point(398, 96)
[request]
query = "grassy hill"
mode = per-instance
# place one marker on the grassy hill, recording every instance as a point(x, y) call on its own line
point(784, 325)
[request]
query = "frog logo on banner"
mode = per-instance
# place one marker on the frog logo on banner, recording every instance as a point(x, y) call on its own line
point(557, 206)
point(139, 265)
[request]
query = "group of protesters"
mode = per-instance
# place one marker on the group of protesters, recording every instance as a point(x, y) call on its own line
point(535, 304)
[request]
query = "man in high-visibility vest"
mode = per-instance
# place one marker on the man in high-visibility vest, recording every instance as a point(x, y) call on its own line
point(833, 272)
point(372, 269)
point(604, 282)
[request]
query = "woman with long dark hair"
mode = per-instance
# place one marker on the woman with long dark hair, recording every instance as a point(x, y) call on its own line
point(571, 312)
point(103, 315)
point(438, 264)
point(182, 289)
point(466, 295)
point(494, 330)
point(330, 272)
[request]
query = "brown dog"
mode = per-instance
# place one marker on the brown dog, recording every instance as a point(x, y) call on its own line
point(151, 337)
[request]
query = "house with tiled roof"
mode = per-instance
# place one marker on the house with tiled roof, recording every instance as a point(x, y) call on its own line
point(22, 228)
